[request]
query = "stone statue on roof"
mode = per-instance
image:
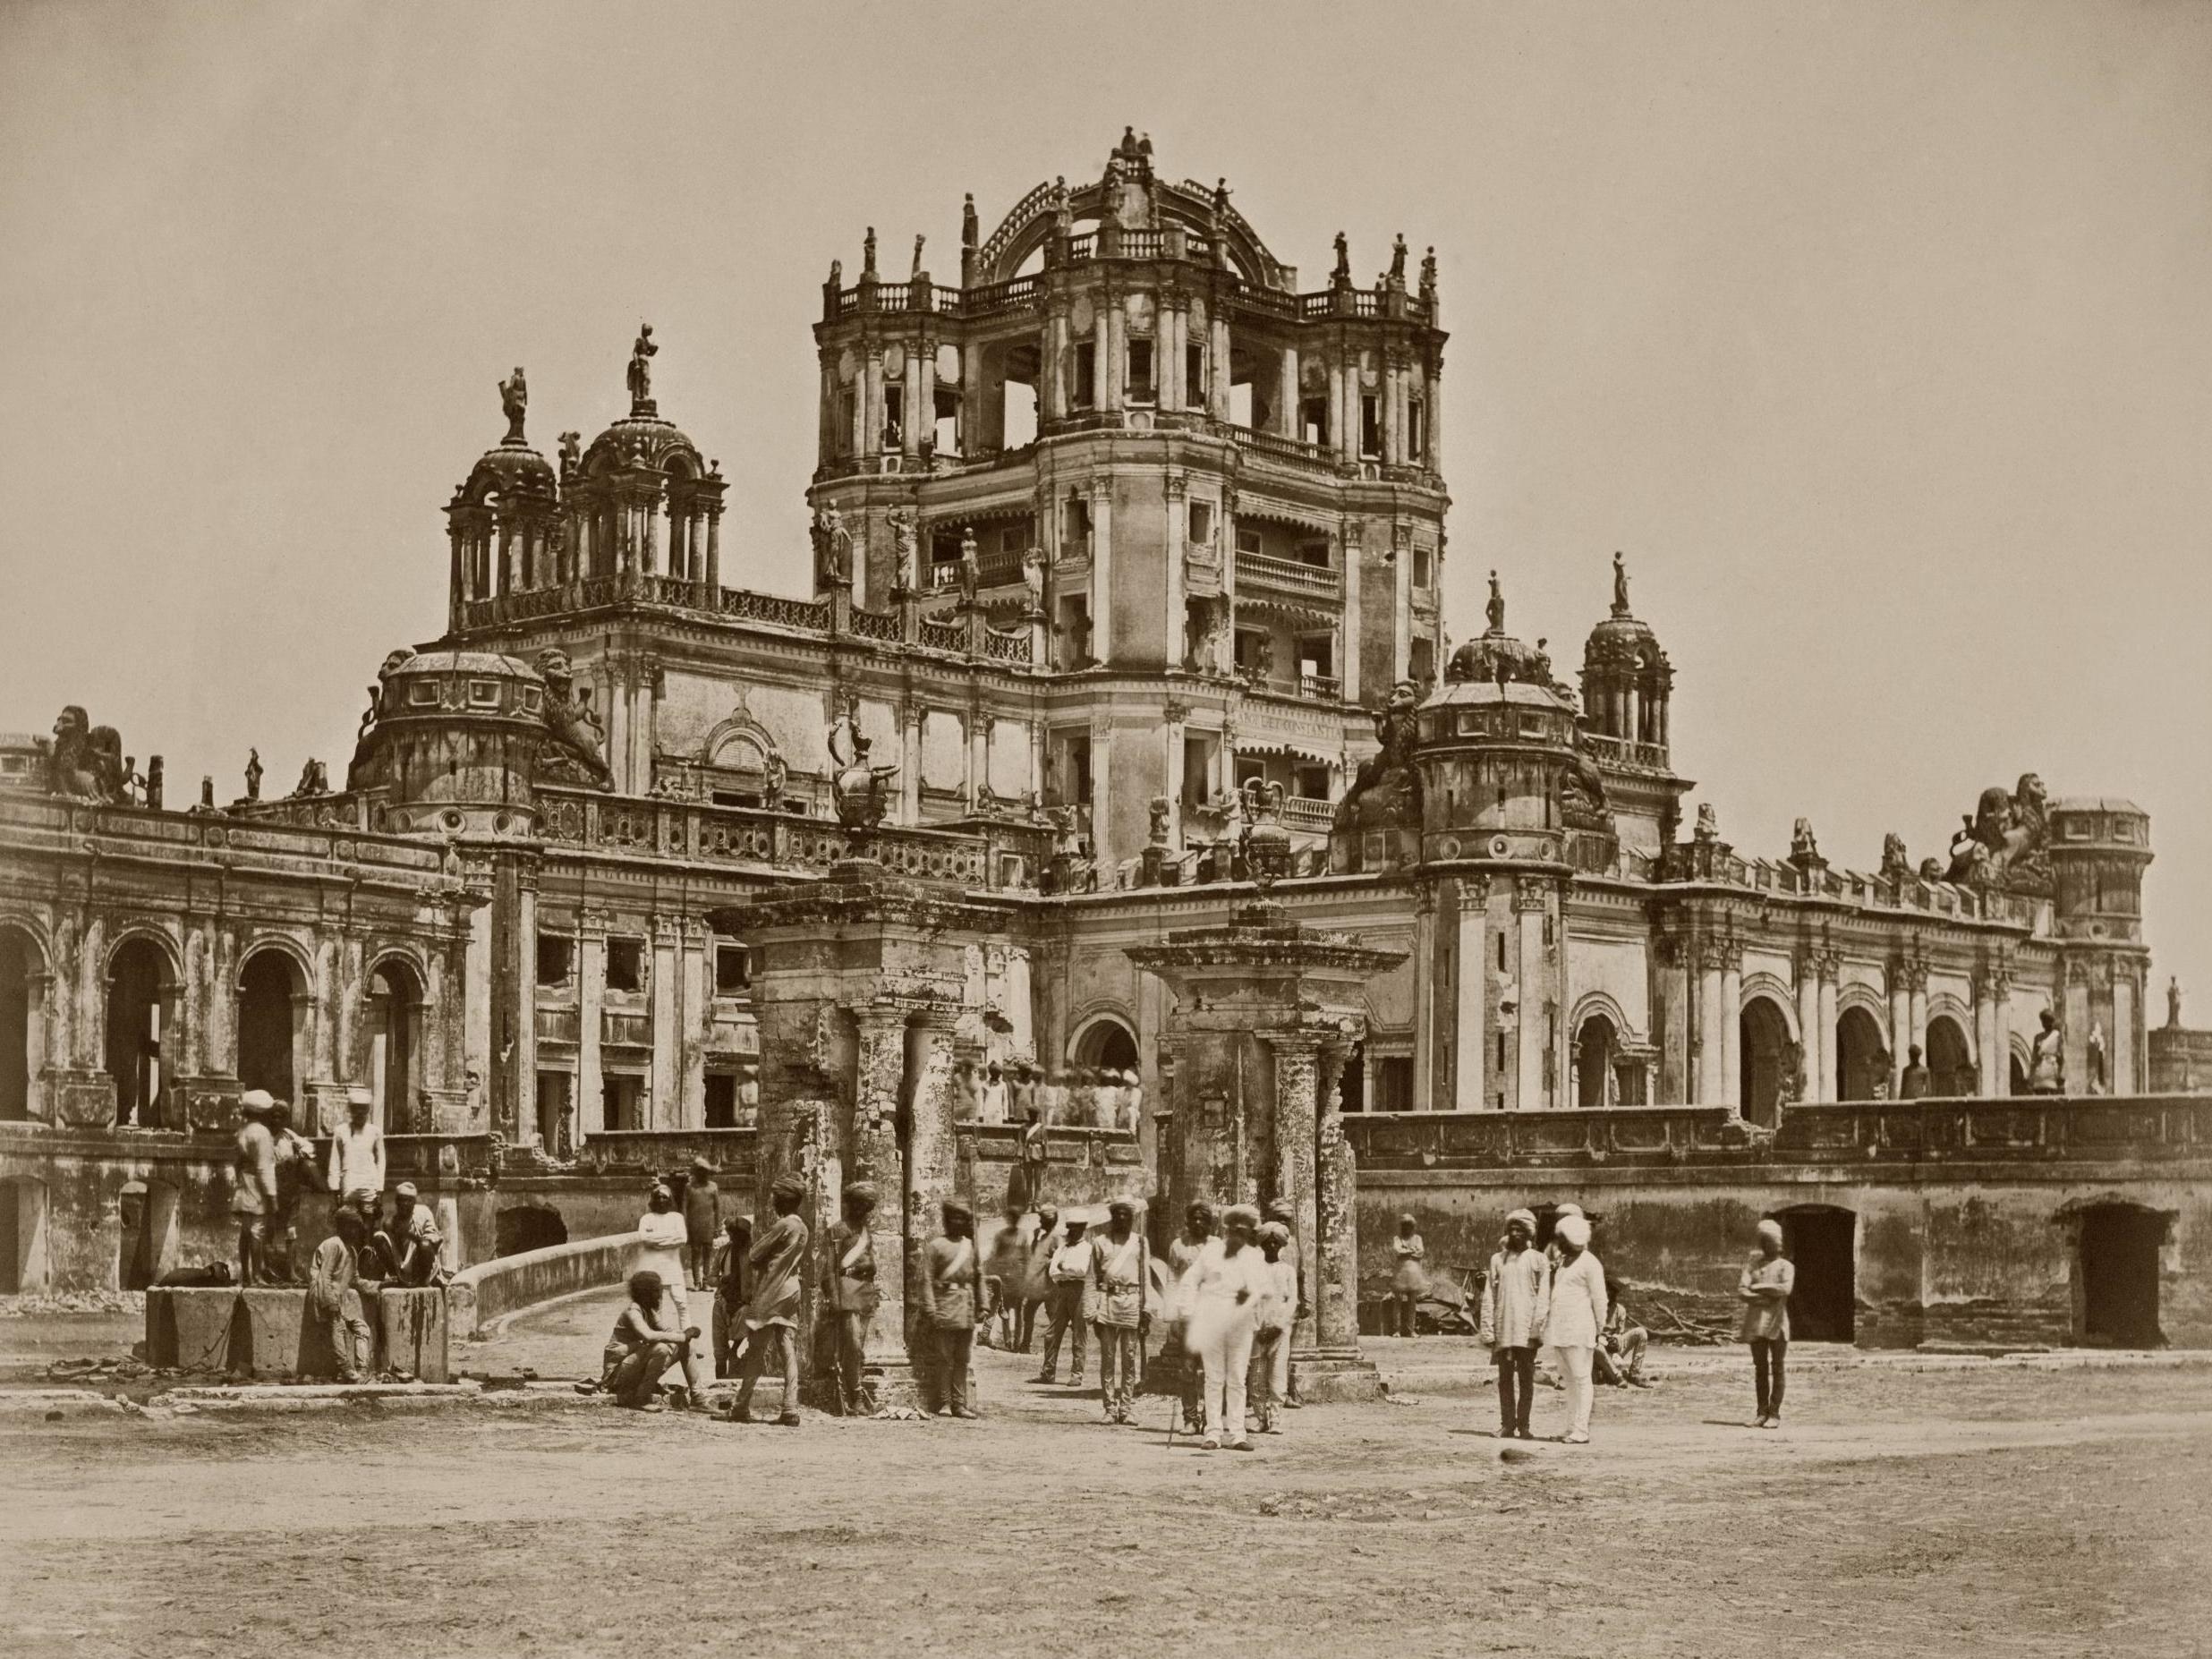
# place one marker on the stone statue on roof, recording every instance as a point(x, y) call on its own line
point(641, 376)
point(1495, 609)
point(514, 401)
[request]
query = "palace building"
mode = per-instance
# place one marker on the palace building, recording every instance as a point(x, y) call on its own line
point(1127, 553)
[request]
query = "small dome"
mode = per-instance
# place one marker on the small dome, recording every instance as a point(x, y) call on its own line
point(512, 469)
point(646, 443)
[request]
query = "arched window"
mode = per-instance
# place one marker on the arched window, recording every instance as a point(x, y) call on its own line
point(1766, 1060)
point(272, 1018)
point(141, 1008)
point(1595, 1045)
point(1109, 1044)
point(1861, 1060)
point(1950, 1064)
point(20, 968)
point(395, 1044)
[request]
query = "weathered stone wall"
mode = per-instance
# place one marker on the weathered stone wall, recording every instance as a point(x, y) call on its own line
point(1978, 1245)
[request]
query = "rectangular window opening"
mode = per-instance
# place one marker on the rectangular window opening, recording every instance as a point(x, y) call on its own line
point(557, 959)
point(626, 965)
point(1082, 394)
point(721, 1100)
point(1141, 388)
point(733, 969)
point(1370, 427)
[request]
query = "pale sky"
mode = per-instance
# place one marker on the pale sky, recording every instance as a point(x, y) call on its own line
point(1879, 337)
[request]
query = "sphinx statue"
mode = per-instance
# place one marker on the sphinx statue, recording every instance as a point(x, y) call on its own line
point(2001, 843)
point(1385, 792)
point(574, 750)
point(84, 761)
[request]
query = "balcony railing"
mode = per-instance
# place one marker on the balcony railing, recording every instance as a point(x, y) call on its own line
point(1623, 752)
point(1305, 687)
point(1289, 574)
point(1294, 450)
point(1311, 817)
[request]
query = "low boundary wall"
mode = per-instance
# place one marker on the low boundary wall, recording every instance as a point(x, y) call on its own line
point(493, 1289)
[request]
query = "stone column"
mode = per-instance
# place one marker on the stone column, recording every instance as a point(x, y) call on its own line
point(872, 405)
point(1341, 1373)
point(1990, 1078)
point(698, 964)
point(590, 988)
point(1103, 569)
point(1102, 358)
point(1828, 965)
point(932, 1149)
point(879, 1074)
point(1296, 1125)
point(1469, 978)
point(910, 429)
point(1178, 544)
point(1731, 1026)
point(1217, 363)
point(2121, 1047)
point(910, 715)
point(714, 554)
point(1117, 362)
point(1347, 635)
point(1389, 400)
point(924, 423)
point(1809, 1024)
point(663, 1112)
point(1337, 438)
point(1287, 394)
point(1710, 1051)
point(347, 1007)
point(1901, 1023)
point(1918, 1031)
point(524, 1011)
point(1528, 908)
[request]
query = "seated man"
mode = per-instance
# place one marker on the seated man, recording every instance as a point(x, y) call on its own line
point(411, 1243)
point(333, 1288)
point(641, 1350)
point(1620, 1357)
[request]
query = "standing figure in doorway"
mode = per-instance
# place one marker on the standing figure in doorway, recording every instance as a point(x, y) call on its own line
point(1410, 1282)
point(1763, 1289)
point(952, 1306)
point(1516, 1298)
point(850, 1295)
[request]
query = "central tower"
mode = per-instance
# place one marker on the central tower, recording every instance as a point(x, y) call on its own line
point(1221, 493)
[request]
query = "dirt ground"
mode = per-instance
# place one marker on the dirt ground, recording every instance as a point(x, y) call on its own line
point(2001, 1511)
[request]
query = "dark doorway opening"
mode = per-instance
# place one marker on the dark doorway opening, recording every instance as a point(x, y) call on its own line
point(1822, 1243)
point(530, 1227)
point(1595, 1047)
point(267, 991)
point(19, 960)
point(396, 1001)
point(1108, 1044)
point(11, 1236)
point(2118, 1269)
point(1950, 1065)
point(2016, 1077)
point(138, 1019)
point(1766, 1039)
point(1352, 1091)
point(1862, 1064)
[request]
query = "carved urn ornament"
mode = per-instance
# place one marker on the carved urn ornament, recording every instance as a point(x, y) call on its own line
point(1265, 843)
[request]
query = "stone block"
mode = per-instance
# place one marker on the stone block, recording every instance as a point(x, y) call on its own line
point(189, 1329)
point(411, 1330)
point(270, 1337)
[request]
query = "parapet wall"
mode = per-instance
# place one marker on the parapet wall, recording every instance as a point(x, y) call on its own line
point(1945, 1222)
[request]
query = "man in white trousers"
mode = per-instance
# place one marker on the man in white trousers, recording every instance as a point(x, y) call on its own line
point(1223, 1293)
point(1576, 1317)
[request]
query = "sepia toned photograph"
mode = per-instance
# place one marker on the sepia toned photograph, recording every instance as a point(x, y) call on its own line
point(1209, 829)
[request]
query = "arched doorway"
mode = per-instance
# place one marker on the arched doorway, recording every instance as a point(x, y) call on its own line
point(1764, 1050)
point(1861, 1058)
point(1595, 1045)
point(140, 1011)
point(394, 1044)
point(528, 1227)
point(1352, 1086)
point(1949, 1063)
point(272, 1012)
point(1107, 1043)
point(2016, 1076)
point(1822, 1243)
point(19, 965)
point(2117, 1269)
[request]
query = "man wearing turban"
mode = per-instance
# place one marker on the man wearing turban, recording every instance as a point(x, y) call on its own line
point(779, 1253)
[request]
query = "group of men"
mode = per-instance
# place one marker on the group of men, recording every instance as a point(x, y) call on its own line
point(1097, 1097)
point(276, 1167)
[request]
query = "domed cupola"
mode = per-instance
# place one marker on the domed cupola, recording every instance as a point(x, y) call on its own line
point(504, 522)
point(1496, 752)
point(643, 507)
point(1627, 682)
